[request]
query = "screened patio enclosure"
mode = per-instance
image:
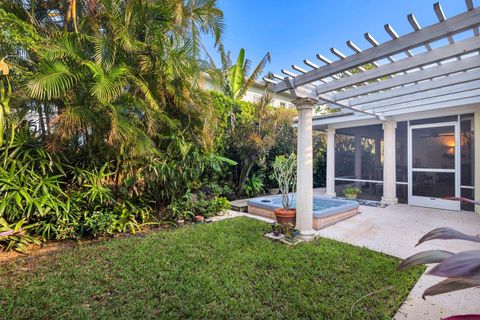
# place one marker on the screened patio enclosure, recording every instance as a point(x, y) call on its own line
point(407, 126)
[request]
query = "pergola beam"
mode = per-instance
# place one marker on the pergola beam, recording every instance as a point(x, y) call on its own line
point(419, 87)
point(473, 98)
point(343, 106)
point(454, 25)
point(425, 58)
point(469, 4)
point(357, 49)
point(418, 98)
point(416, 26)
point(437, 71)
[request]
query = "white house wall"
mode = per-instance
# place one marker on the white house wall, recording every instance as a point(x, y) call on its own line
point(280, 100)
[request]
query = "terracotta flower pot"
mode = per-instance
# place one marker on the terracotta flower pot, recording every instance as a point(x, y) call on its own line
point(285, 217)
point(199, 218)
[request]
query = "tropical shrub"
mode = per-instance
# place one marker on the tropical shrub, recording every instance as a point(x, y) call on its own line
point(210, 207)
point(319, 159)
point(254, 186)
point(94, 102)
point(189, 205)
point(260, 132)
point(31, 181)
point(15, 236)
point(461, 270)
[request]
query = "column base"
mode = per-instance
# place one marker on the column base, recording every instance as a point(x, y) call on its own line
point(331, 194)
point(307, 235)
point(389, 201)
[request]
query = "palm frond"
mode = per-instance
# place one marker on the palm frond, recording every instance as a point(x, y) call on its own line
point(66, 46)
point(143, 87)
point(105, 51)
point(255, 75)
point(108, 85)
point(52, 80)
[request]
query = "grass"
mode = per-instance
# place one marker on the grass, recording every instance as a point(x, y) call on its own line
point(225, 270)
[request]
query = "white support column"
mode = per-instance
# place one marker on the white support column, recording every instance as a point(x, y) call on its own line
point(389, 166)
point(304, 219)
point(476, 129)
point(330, 179)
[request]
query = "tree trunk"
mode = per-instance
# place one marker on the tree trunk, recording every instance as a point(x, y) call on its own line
point(41, 120)
point(74, 15)
point(244, 173)
point(71, 15)
point(47, 118)
point(68, 15)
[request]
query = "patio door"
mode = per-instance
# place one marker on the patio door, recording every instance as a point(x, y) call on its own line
point(434, 165)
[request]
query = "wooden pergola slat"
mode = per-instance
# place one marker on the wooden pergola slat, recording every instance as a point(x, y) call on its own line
point(446, 28)
point(437, 71)
point(417, 88)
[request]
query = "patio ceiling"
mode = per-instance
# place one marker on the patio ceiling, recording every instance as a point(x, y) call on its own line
point(375, 83)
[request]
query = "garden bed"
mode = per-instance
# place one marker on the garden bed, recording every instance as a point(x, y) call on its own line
point(221, 270)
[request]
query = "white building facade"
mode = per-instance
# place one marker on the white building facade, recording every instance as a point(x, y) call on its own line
point(254, 93)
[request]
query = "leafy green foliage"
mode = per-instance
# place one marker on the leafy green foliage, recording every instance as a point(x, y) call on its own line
point(189, 205)
point(58, 202)
point(260, 133)
point(254, 186)
point(94, 110)
point(15, 236)
point(352, 191)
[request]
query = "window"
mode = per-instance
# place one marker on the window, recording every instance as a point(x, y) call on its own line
point(359, 160)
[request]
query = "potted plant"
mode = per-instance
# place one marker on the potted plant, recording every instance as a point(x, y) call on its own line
point(183, 216)
point(276, 229)
point(285, 172)
point(351, 192)
point(291, 234)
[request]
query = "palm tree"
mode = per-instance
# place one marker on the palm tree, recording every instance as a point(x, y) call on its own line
point(121, 84)
point(5, 96)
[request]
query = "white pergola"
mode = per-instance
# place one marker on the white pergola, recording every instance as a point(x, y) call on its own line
point(425, 70)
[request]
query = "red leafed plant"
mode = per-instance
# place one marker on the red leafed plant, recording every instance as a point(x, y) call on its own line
point(462, 269)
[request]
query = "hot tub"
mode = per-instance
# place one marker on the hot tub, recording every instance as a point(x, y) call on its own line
point(326, 211)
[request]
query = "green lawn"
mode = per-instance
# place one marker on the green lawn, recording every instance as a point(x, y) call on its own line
point(224, 270)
